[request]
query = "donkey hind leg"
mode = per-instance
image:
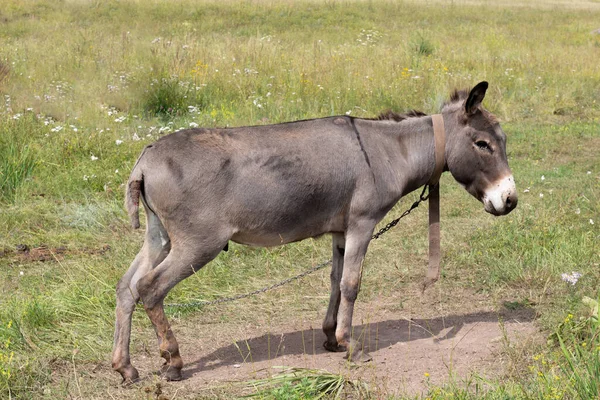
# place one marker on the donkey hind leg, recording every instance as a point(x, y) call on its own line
point(337, 266)
point(155, 249)
point(357, 242)
point(156, 284)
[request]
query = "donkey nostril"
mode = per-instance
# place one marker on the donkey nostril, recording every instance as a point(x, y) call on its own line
point(511, 201)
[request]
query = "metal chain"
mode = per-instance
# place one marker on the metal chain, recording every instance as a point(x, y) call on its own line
point(200, 303)
point(392, 224)
point(243, 296)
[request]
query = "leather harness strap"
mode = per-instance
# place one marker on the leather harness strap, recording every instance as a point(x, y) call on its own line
point(439, 133)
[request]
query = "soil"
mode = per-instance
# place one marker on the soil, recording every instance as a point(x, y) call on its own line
point(409, 355)
point(23, 253)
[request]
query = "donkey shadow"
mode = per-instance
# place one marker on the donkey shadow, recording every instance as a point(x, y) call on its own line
point(374, 336)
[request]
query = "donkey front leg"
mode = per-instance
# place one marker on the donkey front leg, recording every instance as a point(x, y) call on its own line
point(337, 266)
point(357, 242)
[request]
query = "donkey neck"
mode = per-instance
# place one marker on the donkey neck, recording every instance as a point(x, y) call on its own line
point(417, 156)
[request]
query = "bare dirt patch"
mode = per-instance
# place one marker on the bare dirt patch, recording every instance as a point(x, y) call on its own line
point(25, 253)
point(409, 355)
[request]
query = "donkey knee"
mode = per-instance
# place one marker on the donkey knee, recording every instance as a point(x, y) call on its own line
point(147, 291)
point(126, 298)
point(349, 290)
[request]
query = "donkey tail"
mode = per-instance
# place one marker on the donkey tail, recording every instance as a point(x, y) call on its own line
point(133, 192)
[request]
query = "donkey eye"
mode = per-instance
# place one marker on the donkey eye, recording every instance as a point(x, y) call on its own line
point(483, 145)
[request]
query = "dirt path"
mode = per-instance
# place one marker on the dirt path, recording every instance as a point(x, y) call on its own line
point(408, 355)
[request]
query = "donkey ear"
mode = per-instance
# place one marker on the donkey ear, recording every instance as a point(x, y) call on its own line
point(475, 97)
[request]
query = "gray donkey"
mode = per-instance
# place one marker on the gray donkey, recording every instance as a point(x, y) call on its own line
point(276, 184)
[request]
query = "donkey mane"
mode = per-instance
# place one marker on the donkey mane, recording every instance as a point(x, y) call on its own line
point(459, 95)
point(393, 116)
point(456, 96)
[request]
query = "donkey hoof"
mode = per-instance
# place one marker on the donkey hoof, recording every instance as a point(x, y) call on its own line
point(333, 346)
point(170, 373)
point(130, 375)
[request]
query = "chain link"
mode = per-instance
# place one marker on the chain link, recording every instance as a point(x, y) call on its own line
point(200, 303)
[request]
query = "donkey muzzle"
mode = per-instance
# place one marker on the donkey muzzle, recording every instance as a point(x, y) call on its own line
point(501, 197)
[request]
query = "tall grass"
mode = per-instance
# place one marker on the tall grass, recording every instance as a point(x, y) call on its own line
point(17, 158)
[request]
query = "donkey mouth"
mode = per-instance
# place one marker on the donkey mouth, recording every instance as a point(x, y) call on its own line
point(501, 198)
point(489, 207)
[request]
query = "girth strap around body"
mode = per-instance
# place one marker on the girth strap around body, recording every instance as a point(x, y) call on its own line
point(439, 133)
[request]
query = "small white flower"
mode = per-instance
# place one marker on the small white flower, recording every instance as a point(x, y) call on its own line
point(541, 195)
point(94, 158)
point(85, 177)
point(589, 172)
point(136, 138)
point(348, 112)
point(543, 177)
point(118, 142)
point(591, 221)
point(571, 278)
point(578, 211)
point(193, 125)
point(21, 273)
point(526, 190)
point(116, 171)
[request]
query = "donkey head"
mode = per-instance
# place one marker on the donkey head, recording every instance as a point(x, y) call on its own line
point(476, 151)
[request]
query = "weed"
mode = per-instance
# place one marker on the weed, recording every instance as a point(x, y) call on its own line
point(165, 97)
point(17, 158)
point(422, 46)
point(302, 383)
point(4, 73)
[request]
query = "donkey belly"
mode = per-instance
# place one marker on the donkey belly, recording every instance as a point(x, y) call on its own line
point(269, 236)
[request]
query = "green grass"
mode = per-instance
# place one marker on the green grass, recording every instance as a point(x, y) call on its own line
point(17, 158)
point(85, 85)
point(301, 383)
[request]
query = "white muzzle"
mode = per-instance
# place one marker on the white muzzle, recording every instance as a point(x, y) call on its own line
point(501, 197)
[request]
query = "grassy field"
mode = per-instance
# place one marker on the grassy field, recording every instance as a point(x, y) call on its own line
point(84, 85)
